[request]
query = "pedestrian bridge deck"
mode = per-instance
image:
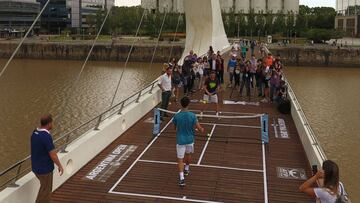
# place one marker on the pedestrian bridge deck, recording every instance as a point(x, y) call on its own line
point(227, 168)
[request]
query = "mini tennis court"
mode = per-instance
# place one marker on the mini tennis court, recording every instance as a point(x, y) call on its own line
point(228, 164)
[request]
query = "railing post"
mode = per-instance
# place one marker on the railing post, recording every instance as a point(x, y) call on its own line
point(138, 97)
point(13, 183)
point(152, 87)
point(63, 149)
point(98, 123)
point(122, 107)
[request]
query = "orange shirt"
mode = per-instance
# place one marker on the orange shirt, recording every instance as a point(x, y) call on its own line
point(269, 61)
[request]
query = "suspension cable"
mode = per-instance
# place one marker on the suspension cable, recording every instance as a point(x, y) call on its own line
point(176, 30)
point(83, 65)
point(127, 58)
point(158, 39)
point(23, 39)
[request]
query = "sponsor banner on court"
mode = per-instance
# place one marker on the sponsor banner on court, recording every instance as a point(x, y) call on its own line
point(149, 120)
point(265, 128)
point(283, 131)
point(241, 103)
point(104, 169)
point(291, 173)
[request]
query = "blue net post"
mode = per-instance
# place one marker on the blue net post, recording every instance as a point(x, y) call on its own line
point(156, 129)
point(265, 128)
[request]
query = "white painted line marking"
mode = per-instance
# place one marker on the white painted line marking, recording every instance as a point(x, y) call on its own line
point(275, 128)
point(264, 175)
point(137, 159)
point(232, 125)
point(226, 112)
point(231, 168)
point(205, 166)
point(206, 144)
point(158, 162)
point(163, 197)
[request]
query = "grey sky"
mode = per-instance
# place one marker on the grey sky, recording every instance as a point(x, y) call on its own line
point(311, 3)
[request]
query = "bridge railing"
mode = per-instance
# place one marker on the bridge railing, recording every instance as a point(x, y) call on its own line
point(311, 144)
point(9, 176)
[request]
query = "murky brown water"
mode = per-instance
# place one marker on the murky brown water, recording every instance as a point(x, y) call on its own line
point(30, 88)
point(330, 98)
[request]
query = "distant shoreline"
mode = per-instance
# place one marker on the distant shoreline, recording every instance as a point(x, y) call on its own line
point(117, 50)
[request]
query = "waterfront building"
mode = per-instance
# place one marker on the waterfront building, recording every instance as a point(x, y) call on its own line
point(79, 9)
point(227, 6)
point(55, 16)
point(347, 6)
point(16, 16)
point(61, 14)
point(348, 17)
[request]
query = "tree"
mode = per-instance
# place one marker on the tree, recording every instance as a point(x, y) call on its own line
point(279, 23)
point(260, 23)
point(241, 23)
point(269, 20)
point(322, 35)
point(251, 22)
point(91, 21)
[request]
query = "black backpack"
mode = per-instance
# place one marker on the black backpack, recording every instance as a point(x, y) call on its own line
point(342, 197)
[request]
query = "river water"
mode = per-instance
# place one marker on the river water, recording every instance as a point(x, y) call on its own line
point(330, 98)
point(31, 88)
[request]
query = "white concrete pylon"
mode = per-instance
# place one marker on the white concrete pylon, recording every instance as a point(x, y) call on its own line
point(204, 27)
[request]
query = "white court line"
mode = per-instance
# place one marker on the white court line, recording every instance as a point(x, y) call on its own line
point(264, 169)
point(163, 197)
point(232, 125)
point(204, 166)
point(206, 144)
point(275, 129)
point(226, 112)
point(137, 159)
point(264, 175)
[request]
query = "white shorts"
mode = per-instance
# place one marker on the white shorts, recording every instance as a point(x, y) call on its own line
point(211, 99)
point(182, 149)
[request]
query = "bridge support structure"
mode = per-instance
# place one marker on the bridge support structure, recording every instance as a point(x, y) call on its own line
point(204, 27)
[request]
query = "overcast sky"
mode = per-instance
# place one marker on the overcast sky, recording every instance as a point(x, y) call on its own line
point(311, 3)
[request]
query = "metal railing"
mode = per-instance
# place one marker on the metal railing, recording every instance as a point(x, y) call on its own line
point(9, 176)
point(306, 124)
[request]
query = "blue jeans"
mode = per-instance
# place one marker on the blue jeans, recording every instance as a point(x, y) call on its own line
point(165, 98)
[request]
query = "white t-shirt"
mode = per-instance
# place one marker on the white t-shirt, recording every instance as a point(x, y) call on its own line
point(165, 82)
point(196, 67)
point(324, 195)
point(236, 46)
point(201, 69)
point(213, 65)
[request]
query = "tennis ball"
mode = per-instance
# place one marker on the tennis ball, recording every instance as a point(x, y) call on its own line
point(208, 134)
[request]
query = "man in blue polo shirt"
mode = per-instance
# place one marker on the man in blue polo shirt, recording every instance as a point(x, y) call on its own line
point(43, 156)
point(185, 122)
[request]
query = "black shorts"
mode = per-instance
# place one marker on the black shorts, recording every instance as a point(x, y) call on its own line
point(206, 72)
point(266, 83)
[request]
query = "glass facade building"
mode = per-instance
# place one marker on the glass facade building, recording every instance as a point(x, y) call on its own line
point(347, 6)
point(17, 16)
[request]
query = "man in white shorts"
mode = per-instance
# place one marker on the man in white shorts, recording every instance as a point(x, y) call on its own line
point(211, 88)
point(185, 122)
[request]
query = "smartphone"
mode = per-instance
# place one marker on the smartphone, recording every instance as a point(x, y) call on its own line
point(314, 169)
